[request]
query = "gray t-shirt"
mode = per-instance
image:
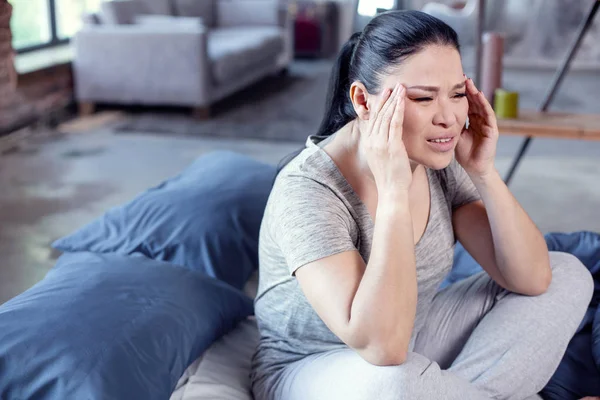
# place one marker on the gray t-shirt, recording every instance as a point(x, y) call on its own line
point(313, 213)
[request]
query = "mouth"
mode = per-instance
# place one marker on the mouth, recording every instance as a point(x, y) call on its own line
point(443, 144)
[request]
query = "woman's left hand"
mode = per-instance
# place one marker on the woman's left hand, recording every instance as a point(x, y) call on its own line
point(476, 147)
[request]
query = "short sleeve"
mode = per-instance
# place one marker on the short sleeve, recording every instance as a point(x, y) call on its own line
point(462, 189)
point(309, 222)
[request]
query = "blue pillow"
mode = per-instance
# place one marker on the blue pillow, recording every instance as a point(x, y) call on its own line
point(207, 219)
point(95, 328)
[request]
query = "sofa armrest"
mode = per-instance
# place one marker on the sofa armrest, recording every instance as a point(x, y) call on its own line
point(248, 12)
point(139, 64)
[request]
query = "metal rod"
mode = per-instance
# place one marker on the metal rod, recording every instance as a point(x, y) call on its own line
point(564, 67)
point(517, 159)
point(556, 82)
point(478, 40)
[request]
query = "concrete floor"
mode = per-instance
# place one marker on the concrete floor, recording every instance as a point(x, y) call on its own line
point(54, 184)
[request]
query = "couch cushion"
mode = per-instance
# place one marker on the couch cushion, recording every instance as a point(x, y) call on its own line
point(121, 12)
point(232, 50)
point(158, 7)
point(247, 13)
point(206, 9)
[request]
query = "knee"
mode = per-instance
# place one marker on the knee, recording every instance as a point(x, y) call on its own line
point(400, 382)
point(571, 279)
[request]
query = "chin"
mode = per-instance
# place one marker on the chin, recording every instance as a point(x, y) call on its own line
point(436, 161)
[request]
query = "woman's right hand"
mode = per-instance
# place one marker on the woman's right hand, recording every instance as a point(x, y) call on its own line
point(383, 145)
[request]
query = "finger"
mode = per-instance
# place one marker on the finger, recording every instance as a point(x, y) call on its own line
point(481, 119)
point(374, 119)
point(476, 121)
point(398, 118)
point(486, 108)
point(387, 94)
point(385, 100)
point(376, 129)
point(387, 115)
point(481, 105)
point(377, 109)
point(472, 97)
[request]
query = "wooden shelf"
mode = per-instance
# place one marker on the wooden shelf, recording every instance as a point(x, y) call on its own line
point(552, 124)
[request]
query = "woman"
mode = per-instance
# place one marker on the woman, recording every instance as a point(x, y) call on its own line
point(359, 233)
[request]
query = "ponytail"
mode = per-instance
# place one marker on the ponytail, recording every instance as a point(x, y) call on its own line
point(339, 109)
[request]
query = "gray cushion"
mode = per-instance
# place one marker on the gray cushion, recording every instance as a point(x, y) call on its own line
point(233, 50)
point(121, 12)
point(247, 13)
point(205, 9)
point(158, 7)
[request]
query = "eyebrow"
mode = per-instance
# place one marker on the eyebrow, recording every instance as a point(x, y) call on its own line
point(435, 88)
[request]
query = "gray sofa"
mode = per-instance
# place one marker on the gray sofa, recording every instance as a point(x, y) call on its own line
point(178, 52)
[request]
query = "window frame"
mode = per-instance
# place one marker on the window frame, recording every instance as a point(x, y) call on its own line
point(54, 39)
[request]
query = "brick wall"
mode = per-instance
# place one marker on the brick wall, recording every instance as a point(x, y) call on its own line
point(32, 97)
point(13, 107)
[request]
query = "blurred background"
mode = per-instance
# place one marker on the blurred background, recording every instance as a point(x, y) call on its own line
point(100, 100)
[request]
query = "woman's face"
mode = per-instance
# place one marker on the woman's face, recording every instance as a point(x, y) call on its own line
point(436, 107)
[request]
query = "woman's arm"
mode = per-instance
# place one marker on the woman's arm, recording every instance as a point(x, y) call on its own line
point(370, 308)
point(496, 231)
point(499, 235)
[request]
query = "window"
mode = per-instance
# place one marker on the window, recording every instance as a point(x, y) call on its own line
point(69, 12)
point(369, 8)
point(43, 23)
point(30, 23)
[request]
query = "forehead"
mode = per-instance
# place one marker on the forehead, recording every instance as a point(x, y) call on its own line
point(433, 65)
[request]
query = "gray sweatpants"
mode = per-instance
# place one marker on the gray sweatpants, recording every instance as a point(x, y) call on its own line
point(479, 342)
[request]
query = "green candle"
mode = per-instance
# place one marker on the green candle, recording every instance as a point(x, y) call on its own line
point(506, 104)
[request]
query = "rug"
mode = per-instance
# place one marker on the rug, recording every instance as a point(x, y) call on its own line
point(284, 107)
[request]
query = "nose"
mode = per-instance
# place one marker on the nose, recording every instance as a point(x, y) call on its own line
point(444, 115)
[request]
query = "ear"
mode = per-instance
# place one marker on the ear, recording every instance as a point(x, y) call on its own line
point(361, 100)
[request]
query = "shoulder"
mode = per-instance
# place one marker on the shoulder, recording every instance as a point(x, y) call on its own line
point(309, 174)
point(305, 191)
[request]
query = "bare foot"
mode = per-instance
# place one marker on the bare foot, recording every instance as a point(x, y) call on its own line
point(590, 398)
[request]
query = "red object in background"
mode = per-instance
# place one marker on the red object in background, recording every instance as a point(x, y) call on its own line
point(307, 36)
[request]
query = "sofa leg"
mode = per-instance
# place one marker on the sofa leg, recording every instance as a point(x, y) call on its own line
point(201, 113)
point(86, 109)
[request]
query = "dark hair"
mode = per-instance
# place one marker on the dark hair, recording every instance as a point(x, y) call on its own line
point(385, 42)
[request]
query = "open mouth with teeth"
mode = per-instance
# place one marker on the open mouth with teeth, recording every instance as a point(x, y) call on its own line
point(445, 140)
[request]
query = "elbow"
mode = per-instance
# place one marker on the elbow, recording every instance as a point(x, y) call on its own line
point(384, 356)
point(381, 347)
point(538, 286)
point(542, 284)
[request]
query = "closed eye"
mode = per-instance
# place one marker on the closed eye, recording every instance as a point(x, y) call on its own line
point(459, 95)
point(423, 99)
